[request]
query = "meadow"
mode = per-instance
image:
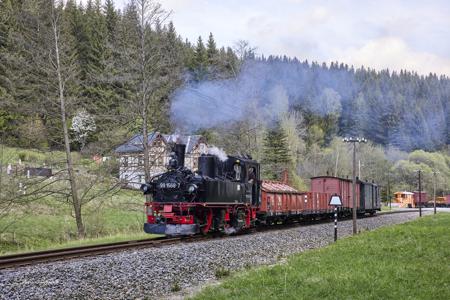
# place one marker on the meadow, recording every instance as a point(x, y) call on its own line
point(41, 221)
point(407, 261)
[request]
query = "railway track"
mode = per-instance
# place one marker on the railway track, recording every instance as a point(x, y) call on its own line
point(31, 258)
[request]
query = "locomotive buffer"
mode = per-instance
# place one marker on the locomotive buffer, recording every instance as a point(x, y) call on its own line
point(335, 201)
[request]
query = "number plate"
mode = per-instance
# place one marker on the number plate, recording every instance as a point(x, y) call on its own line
point(169, 185)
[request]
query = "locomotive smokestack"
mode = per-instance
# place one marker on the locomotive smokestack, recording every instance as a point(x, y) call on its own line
point(180, 150)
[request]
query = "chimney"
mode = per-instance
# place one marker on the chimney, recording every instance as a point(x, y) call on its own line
point(285, 176)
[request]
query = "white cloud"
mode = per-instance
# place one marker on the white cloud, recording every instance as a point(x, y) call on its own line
point(404, 34)
point(394, 53)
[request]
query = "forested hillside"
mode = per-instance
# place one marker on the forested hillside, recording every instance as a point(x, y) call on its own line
point(101, 59)
point(100, 49)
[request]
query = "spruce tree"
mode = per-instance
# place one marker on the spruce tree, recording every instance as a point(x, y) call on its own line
point(275, 157)
point(111, 17)
point(200, 60)
point(211, 50)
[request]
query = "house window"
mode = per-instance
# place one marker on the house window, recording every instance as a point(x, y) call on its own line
point(140, 161)
point(125, 161)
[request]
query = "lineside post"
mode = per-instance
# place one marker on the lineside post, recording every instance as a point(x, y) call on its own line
point(335, 201)
point(335, 223)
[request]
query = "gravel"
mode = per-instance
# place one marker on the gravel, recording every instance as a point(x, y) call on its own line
point(155, 272)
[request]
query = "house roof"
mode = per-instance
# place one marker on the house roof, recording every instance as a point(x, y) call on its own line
point(406, 193)
point(135, 144)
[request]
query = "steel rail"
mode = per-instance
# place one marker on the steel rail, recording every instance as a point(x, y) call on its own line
point(31, 258)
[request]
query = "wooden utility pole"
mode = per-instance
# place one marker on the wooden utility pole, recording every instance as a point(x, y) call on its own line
point(420, 193)
point(434, 191)
point(389, 193)
point(354, 189)
point(355, 203)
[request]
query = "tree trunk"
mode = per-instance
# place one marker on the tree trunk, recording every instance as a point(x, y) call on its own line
point(73, 186)
point(145, 146)
point(144, 91)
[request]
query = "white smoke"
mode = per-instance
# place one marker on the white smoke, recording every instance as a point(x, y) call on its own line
point(218, 152)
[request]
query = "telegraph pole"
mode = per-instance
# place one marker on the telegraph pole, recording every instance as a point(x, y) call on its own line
point(434, 191)
point(420, 193)
point(354, 141)
point(389, 193)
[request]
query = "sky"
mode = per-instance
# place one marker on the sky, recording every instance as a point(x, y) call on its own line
point(412, 35)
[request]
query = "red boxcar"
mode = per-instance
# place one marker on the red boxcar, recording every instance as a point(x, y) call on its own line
point(336, 185)
point(423, 199)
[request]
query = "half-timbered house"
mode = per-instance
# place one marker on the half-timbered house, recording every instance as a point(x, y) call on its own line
point(131, 155)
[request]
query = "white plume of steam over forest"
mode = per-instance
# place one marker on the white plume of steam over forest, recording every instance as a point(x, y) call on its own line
point(257, 92)
point(391, 109)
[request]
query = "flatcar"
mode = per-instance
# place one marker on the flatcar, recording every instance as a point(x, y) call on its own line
point(229, 196)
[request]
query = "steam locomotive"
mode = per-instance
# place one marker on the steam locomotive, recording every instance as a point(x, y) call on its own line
point(229, 196)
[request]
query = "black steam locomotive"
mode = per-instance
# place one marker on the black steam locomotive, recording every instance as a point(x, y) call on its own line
point(222, 195)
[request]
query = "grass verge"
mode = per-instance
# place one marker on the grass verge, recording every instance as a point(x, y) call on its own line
point(408, 261)
point(48, 224)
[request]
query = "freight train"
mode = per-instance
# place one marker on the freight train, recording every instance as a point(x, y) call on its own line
point(229, 196)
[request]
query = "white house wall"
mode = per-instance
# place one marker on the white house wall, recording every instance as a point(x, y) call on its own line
point(132, 172)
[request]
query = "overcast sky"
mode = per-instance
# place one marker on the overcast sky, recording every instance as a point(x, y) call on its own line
point(413, 35)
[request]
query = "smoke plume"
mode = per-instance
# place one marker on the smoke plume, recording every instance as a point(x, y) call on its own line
point(362, 103)
point(218, 152)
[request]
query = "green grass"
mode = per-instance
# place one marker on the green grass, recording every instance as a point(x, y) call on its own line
point(38, 158)
point(408, 261)
point(47, 224)
point(386, 208)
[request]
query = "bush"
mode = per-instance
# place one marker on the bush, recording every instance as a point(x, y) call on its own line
point(22, 156)
point(222, 272)
point(175, 287)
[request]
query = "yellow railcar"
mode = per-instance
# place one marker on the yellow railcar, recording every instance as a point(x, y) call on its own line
point(405, 199)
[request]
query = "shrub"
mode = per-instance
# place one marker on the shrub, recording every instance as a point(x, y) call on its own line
point(22, 156)
point(222, 272)
point(175, 287)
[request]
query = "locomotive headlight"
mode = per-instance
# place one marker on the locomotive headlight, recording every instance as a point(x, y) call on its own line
point(145, 188)
point(191, 188)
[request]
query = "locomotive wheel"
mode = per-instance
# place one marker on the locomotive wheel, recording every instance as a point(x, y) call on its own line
point(239, 219)
point(205, 220)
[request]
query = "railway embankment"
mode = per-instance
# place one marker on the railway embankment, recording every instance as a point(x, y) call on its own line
point(155, 272)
